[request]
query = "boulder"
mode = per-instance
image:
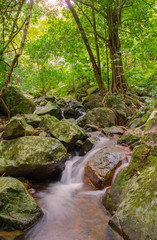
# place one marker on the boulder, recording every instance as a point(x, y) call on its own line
point(15, 128)
point(33, 157)
point(72, 113)
point(101, 117)
point(132, 198)
point(103, 164)
point(32, 119)
point(48, 122)
point(115, 130)
point(92, 90)
point(67, 132)
point(16, 102)
point(150, 130)
point(51, 109)
point(87, 146)
point(92, 101)
point(118, 105)
point(128, 139)
point(18, 210)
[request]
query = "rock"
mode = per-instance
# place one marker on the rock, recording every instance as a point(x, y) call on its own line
point(132, 198)
point(118, 105)
point(140, 117)
point(115, 130)
point(32, 119)
point(87, 146)
point(48, 122)
point(61, 102)
point(16, 102)
point(103, 164)
point(92, 90)
point(14, 129)
point(128, 139)
point(150, 130)
point(32, 157)
point(51, 109)
point(91, 127)
point(72, 113)
point(101, 117)
point(18, 210)
point(72, 120)
point(67, 132)
point(92, 101)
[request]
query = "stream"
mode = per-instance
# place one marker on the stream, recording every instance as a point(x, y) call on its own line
point(72, 209)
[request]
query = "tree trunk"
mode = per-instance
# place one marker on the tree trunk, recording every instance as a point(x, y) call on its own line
point(119, 83)
point(84, 37)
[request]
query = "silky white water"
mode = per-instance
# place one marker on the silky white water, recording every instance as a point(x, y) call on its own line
point(72, 210)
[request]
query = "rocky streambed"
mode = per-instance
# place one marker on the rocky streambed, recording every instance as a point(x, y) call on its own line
point(87, 153)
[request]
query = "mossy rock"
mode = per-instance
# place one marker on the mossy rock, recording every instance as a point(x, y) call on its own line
point(101, 117)
point(51, 109)
point(92, 90)
point(15, 128)
point(18, 210)
point(128, 139)
point(118, 105)
point(67, 132)
point(132, 198)
point(32, 119)
point(48, 122)
point(92, 101)
point(16, 102)
point(31, 156)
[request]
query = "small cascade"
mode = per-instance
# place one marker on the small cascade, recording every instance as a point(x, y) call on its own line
point(72, 210)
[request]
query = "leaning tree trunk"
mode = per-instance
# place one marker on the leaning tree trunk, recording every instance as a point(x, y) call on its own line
point(119, 83)
point(90, 53)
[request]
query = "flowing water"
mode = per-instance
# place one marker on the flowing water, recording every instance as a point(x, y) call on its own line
point(72, 209)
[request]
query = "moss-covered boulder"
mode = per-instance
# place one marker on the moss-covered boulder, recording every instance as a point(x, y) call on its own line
point(92, 90)
point(114, 130)
point(33, 157)
point(67, 132)
point(14, 129)
point(132, 198)
point(128, 139)
point(103, 164)
point(18, 210)
point(118, 105)
point(16, 102)
point(48, 122)
point(32, 119)
point(92, 101)
point(150, 130)
point(72, 113)
point(51, 109)
point(87, 145)
point(101, 117)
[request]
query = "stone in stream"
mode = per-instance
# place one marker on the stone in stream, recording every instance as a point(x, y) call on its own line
point(87, 145)
point(115, 130)
point(92, 101)
point(101, 117)
point(16, 102)
point(51, 109)
point(18, 210)
point(133, 196)
point(103, 164)
point(128, 139)
point(15, 128)
point(67, 132)
point(32, 156)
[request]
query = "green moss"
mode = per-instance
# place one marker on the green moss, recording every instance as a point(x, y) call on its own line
point(18, 210)
point(128, 139)
point(16, 102)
